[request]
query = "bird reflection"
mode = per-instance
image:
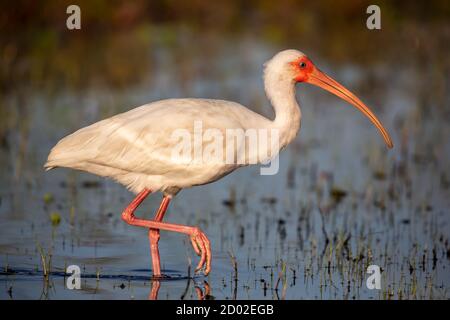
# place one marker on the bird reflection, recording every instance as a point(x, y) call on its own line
point(203, 295)
point(156, 284)
point(203, 291)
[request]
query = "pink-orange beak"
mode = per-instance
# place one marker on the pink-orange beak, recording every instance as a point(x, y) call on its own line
point(322, 80)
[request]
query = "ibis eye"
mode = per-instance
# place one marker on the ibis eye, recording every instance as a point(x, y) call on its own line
point(302, 65)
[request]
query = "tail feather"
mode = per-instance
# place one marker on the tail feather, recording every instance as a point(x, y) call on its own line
point(48, 167)
point(59, 156)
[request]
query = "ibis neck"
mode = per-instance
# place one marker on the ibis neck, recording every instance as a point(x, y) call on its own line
point(281, 93)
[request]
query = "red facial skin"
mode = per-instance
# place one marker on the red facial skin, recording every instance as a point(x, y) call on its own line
point(302, 72)
point(305, 71)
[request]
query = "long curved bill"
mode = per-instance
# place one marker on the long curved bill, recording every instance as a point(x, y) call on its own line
point(322, 80)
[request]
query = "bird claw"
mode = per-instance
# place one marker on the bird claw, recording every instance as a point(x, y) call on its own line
point(195, 246)
point(202, 248)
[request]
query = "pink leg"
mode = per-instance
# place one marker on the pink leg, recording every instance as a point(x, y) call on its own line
point(199, 240)
point(153, 235)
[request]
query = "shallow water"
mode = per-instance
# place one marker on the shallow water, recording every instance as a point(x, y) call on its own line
point(340, 202)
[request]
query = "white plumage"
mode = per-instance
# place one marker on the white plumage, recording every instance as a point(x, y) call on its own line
point(135, 148)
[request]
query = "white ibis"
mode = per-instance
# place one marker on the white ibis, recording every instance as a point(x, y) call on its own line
point(135, 148)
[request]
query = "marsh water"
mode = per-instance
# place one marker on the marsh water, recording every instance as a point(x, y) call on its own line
point(340, 202)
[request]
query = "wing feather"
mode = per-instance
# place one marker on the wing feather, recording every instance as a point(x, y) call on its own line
point(141, 140)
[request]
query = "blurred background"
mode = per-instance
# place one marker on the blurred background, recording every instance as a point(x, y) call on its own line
point(341, 201)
